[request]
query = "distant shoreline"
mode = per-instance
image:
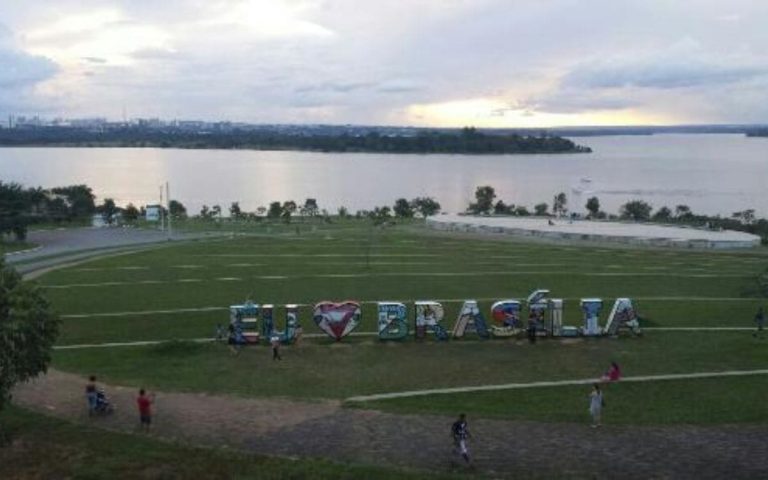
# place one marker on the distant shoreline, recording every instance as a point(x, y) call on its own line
point(467, 141)
point(276, 149)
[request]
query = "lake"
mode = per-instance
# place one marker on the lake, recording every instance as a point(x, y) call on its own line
point(713, 174)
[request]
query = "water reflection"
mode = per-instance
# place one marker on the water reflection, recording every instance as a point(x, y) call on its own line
point(710, 173)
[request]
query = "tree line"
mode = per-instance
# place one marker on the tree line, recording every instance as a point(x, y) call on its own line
point(285, 211)
point(635, 210)
point(22, 207)
point(465, 141)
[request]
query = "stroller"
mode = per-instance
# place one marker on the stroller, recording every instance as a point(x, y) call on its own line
point(103, 407)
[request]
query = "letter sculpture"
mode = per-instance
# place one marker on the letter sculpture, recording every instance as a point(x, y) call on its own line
point(428, 317)
point(623, 315)
point(267, 322)
point(337, 319)
point(506, 318)
point(393, 321)
point(537, 310)
point(591, 308)
point(470, 320)
point(269, 329)
point(245, 320)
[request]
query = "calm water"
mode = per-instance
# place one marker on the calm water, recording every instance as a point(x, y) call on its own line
point(710, 173)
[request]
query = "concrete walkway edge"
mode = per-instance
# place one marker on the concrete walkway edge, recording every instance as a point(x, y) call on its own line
point(560, 383)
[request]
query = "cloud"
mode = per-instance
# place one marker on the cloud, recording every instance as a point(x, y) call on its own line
point(683, 74)
point(451, 62)
point(342, 87)
point(98, 60)
point(22, 70)
point(664, 73)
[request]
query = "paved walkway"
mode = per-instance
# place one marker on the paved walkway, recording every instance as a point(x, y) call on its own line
point(62, 247)
point(500, 448)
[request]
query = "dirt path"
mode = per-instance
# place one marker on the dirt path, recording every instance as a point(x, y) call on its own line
point(500, 448)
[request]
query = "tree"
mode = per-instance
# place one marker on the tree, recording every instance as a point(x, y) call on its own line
point(540, 209)
point(261, 210)
point(205, 212)
point(593, 207)
point(131, 213)
point(216, 211)
point(28, 330)
point(108, 210)
point(683, 211)
point(275, 210)
point(664, 214)
point(746, 217)
point(79, 198)
point(559, 204)
point(484, 197)
point(501, 208)
point(234, 210)
point(403, 208)
point(380, 214)
point(343, 212)
point(177, 209)
point(310, 207)
point(426, 206)
point(636, 210)
point(13, 208)
point(521, 211)
point(289, 207)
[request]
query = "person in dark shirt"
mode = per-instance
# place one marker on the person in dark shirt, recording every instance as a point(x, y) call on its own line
point(760, 321)
point(460, 434)
point(531, 330)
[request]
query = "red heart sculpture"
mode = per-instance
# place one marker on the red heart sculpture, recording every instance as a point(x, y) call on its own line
point(337, 319)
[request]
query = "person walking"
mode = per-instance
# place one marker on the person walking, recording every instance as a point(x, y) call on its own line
point(531, 331)
point(275, 341)
point(596, 404)
point(144, 402)
point(460, 434)
point(232, 339)
point(91, 394)
point(760, 322)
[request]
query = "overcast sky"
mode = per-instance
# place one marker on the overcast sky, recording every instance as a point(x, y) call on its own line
point(500, 63)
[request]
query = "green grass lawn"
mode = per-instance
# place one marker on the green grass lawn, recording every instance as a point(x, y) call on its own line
point(700, 401)
point(43, 447)
point(349, 260)
point(366, 366)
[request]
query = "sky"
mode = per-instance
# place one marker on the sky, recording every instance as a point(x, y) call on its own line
point(487, 63)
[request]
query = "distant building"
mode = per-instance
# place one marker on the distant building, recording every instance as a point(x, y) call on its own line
point(153, 213)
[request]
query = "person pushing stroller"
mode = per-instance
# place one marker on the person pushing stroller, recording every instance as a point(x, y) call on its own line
point(98, 403)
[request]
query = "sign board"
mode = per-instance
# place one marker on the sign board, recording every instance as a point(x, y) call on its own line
point(153, 213)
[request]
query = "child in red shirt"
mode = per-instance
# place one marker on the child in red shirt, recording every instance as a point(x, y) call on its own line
point(144, 403)
point(613, 374)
